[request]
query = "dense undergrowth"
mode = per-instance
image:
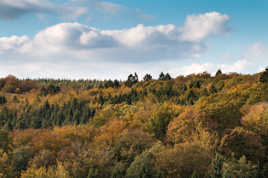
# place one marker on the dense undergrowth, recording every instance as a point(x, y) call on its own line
point(193, 126)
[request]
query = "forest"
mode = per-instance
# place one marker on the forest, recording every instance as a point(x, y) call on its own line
point(195, 126)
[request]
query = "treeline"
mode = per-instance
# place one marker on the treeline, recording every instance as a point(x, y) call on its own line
point(189, 126)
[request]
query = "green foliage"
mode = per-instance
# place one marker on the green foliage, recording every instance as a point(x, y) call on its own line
point(143, 165)
point(159, 121)
point(131, 80)
point(264, 76)
point(243, 142)
point(191, 97)
point(147, 77)
point(195, 84)
point(49, 115)
point(19, 159)
point(4, 140)
point(163, 76)
point(184, 160)
point(218, 73)
point(131, 144)
point(3, 100)
point(154, 128)
point(49, 89)
point(213, 89)
point(222, 110)
point(111, 84)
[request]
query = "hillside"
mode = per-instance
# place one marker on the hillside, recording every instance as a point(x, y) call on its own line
point(189, 126)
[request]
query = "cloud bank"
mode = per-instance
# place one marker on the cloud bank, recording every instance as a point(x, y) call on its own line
point(140, 43)
point(80, 50)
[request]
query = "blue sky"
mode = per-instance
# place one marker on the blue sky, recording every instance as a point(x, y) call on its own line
point(110, 39)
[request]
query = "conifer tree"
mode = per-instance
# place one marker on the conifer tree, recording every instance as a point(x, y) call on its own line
point(147, 77)
point(218, 73)
point(264, 76)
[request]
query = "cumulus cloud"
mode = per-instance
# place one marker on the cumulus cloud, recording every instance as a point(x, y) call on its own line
point(70, 44)
point(13, 43)
point(137, 44)
point(198, 27)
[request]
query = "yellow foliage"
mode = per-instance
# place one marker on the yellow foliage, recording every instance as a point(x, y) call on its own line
point(189, 127)
point(109, 132)
point(257, 119)
point(82, 133)
point(52, 172)
point(183, 160)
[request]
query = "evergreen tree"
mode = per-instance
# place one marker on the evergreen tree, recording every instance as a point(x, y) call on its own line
point(213, 89)
point(15, 99)
point(191, 97)
point(161, 76)
point(147, 77)
point(132, 79)
point(167, 76)
point(116, 84)
point(218, 73)
point(4, 140)
point(3, 100)
point(264, 76)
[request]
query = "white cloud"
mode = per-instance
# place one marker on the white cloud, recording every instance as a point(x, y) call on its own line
point(195, 68)
point(68, 37)
point(198, 27)
point(140, 43)
point(253, 60)
point(12, 43)
point(77, 48)
point(256, 55)
point(137, 43)
point(239, 66)
point(146, 35)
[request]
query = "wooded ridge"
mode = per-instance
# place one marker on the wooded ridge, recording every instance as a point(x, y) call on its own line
point(189, 126)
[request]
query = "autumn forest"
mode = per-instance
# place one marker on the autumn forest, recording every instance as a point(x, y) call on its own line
point(195, 126)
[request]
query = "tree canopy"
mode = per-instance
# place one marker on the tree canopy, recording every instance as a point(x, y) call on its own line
point(189, 126)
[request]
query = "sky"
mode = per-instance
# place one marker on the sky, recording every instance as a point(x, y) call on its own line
point(109, 39)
